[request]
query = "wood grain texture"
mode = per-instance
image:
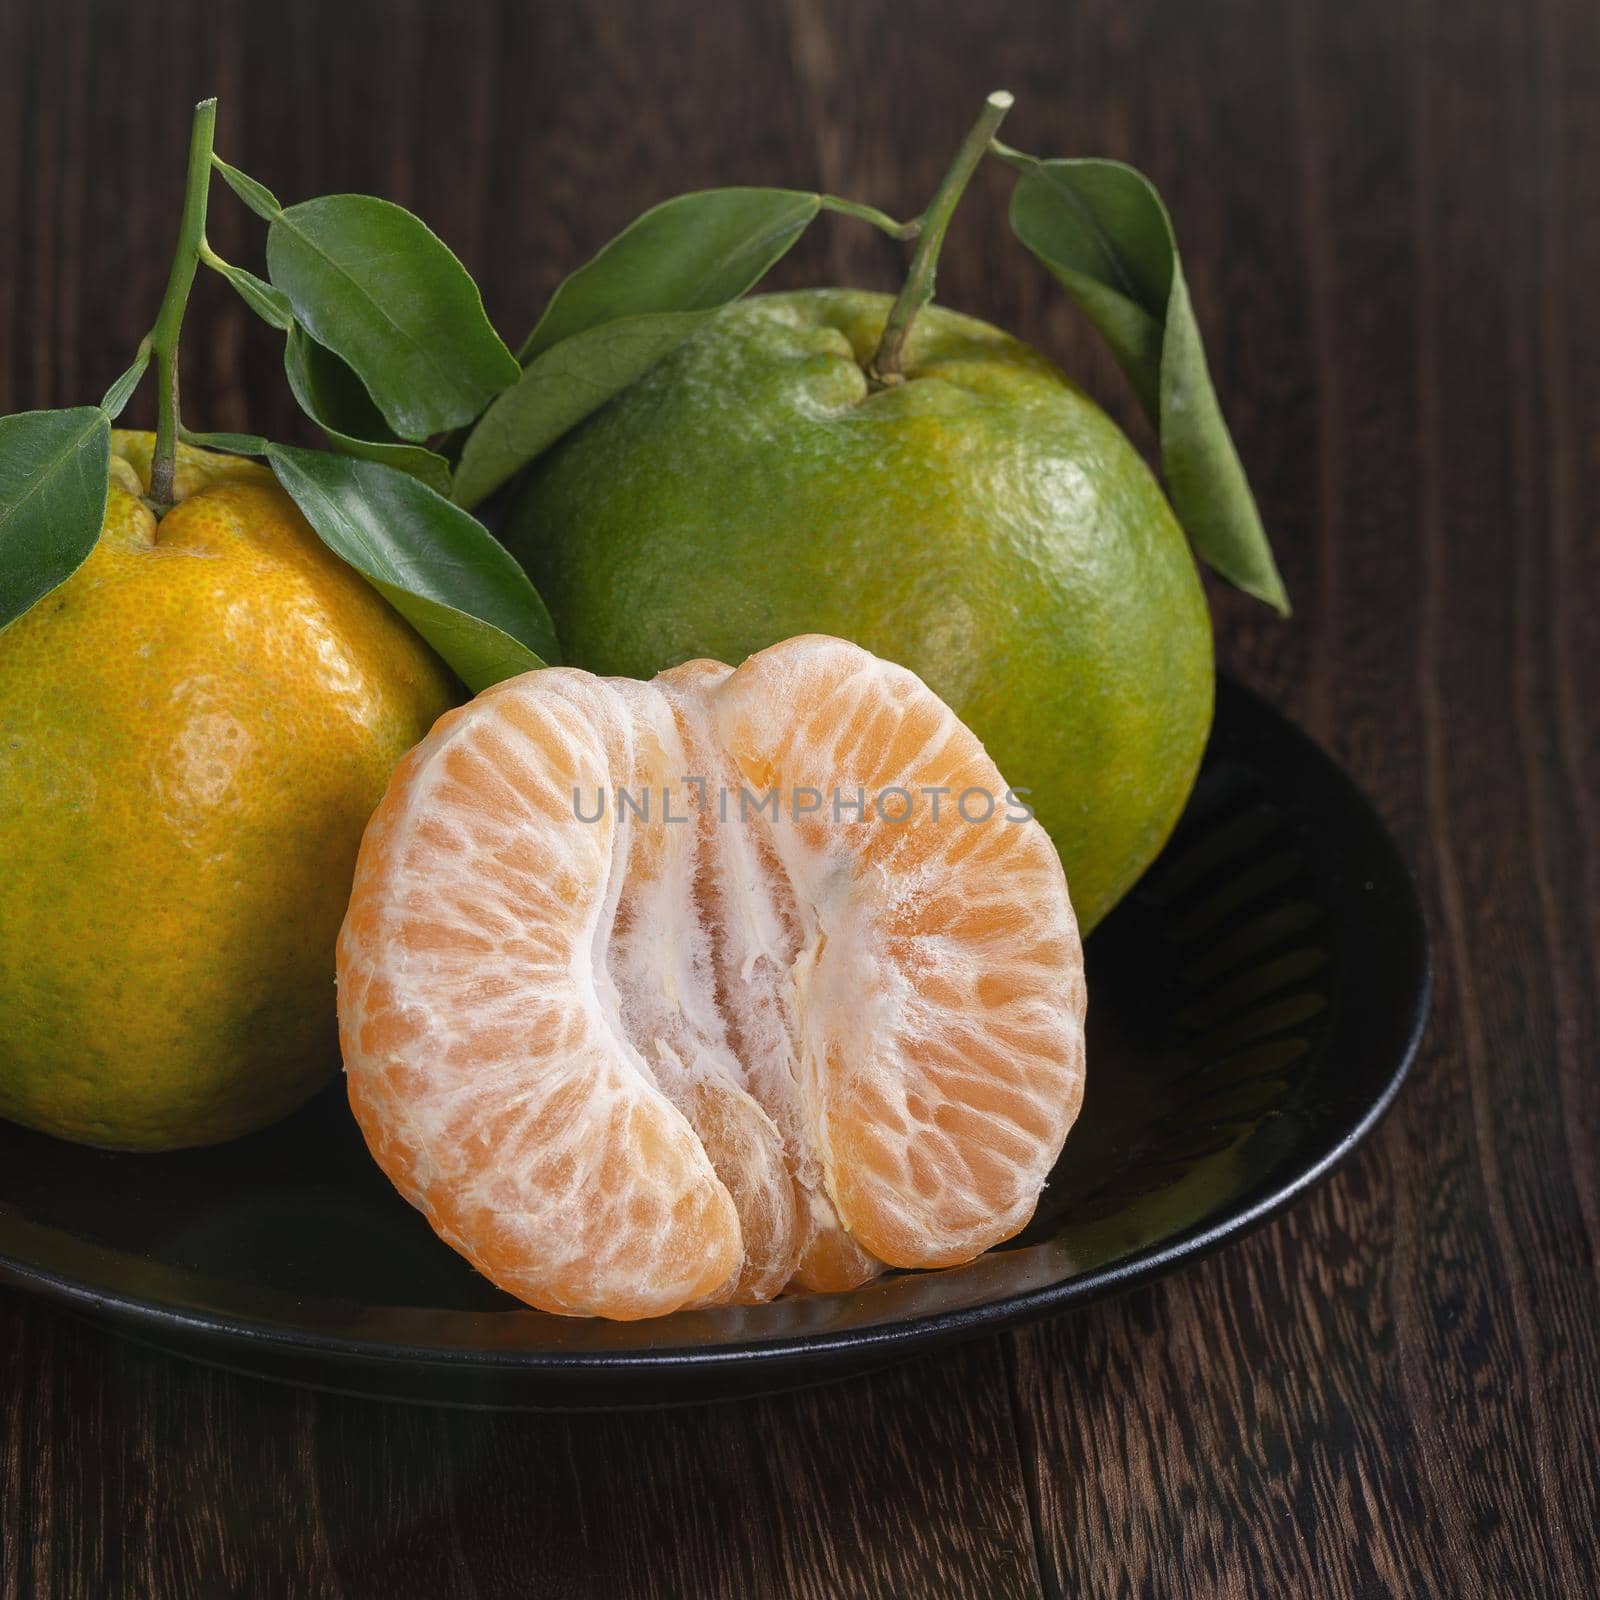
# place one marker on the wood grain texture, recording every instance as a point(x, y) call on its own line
point(1390, 212)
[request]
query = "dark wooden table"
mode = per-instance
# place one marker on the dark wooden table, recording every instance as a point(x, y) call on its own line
point(1390, 211)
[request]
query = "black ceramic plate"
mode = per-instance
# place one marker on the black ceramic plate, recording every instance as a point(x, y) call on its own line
point(1253, 1006)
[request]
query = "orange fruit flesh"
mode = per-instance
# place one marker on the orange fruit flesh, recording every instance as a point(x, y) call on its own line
point(711, 1044)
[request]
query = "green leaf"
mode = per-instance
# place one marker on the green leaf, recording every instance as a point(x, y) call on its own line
point(695, 252)
point(54, 474)
point(271, 305)
point(440, 568)
point(370, 282)
point(562, 387)
point(257, 196)
point(334, 398)
point(121, 392)
point(646, 292)
point(234, 444)
point(1101, 229)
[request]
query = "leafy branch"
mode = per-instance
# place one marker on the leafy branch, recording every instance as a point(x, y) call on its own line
point(426, 411)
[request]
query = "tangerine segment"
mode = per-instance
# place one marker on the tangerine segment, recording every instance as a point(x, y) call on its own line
point(938, 988)
point(485, 1062)
point(658, 971)
point(675, 1049)
point(747, 905)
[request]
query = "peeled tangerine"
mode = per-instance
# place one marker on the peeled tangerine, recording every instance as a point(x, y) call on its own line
point(693, 991)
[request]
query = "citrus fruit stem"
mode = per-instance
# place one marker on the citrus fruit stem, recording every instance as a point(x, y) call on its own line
point(169, 320)
point(886, 365)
